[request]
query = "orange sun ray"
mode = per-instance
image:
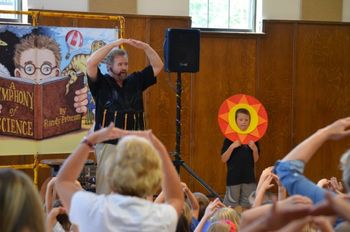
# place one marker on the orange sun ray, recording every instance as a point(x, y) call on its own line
point(224, 117)
point(243, 100)
point(230, 104)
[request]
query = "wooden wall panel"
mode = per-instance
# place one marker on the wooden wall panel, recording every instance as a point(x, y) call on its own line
point(275, 90)
point(227, 67)
point(322, 89)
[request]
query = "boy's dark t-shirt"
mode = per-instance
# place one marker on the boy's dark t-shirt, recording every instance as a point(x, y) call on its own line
point(240, 165)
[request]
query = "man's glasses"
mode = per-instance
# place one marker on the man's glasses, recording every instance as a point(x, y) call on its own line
point(45, 69)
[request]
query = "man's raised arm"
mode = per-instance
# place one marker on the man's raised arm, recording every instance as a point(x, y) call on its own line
point(153, 57)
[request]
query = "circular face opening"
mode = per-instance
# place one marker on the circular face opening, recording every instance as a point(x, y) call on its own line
point(252, 128)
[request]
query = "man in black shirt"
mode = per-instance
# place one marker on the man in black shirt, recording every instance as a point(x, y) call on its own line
point(117, 95)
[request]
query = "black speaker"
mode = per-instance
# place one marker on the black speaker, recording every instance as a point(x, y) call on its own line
point(181, 50)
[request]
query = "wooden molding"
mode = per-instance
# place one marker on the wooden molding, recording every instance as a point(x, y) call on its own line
point(322, 10)
point(114, 6)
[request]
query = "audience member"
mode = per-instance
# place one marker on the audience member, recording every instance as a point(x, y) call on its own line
point(203, 202)
point(57, 217)
point(261, 195)
point(222, 226)
point(190, 210)
point(226, 214)
point(278, 215)
point(20, 204)
point(331, 184)
point(291, 168)
point(212, 207)
point(137, 169)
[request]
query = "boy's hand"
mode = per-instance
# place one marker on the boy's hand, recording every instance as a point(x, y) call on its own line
point(235, 144)
point(252, 145)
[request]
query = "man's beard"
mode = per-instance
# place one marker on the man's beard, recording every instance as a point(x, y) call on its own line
point(120, 76)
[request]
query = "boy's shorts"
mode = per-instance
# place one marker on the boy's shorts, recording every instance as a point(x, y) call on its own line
point(239, 195)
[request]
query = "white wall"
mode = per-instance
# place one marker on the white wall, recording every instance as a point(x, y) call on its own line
point(271, 9)
point(68, 5)
point(163, 7)
point(281, 9)
point(147, 7)
point(346, 10)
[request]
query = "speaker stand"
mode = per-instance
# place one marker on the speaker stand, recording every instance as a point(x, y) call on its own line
point(178, 161)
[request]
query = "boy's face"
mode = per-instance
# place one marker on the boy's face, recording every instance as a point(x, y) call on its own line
point(243, 121)
point(37, 64)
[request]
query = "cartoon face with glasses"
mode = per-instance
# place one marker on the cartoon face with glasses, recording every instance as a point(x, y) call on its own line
point(37, 57)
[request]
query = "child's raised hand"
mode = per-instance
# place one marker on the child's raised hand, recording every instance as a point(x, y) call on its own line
point(264, 175)
point(106, 133)
point(266, 184)
point(267, 171)
point(336, 185)
point(184, 187)
point(339, 129)
point(212, 207)
point(277, 180)
point(323, 183)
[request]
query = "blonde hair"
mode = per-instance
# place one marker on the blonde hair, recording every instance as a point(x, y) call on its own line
point(219, 226)
point(135, 169)
point(187, 213)
point(345, 167)
point(20, 205)
point(226, 213)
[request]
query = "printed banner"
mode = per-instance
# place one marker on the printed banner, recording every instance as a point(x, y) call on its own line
point(40, 70)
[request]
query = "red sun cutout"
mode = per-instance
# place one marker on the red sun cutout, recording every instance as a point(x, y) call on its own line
point(258, 118)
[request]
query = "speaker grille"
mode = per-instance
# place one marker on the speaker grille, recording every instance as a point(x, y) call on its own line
point(181, 50)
